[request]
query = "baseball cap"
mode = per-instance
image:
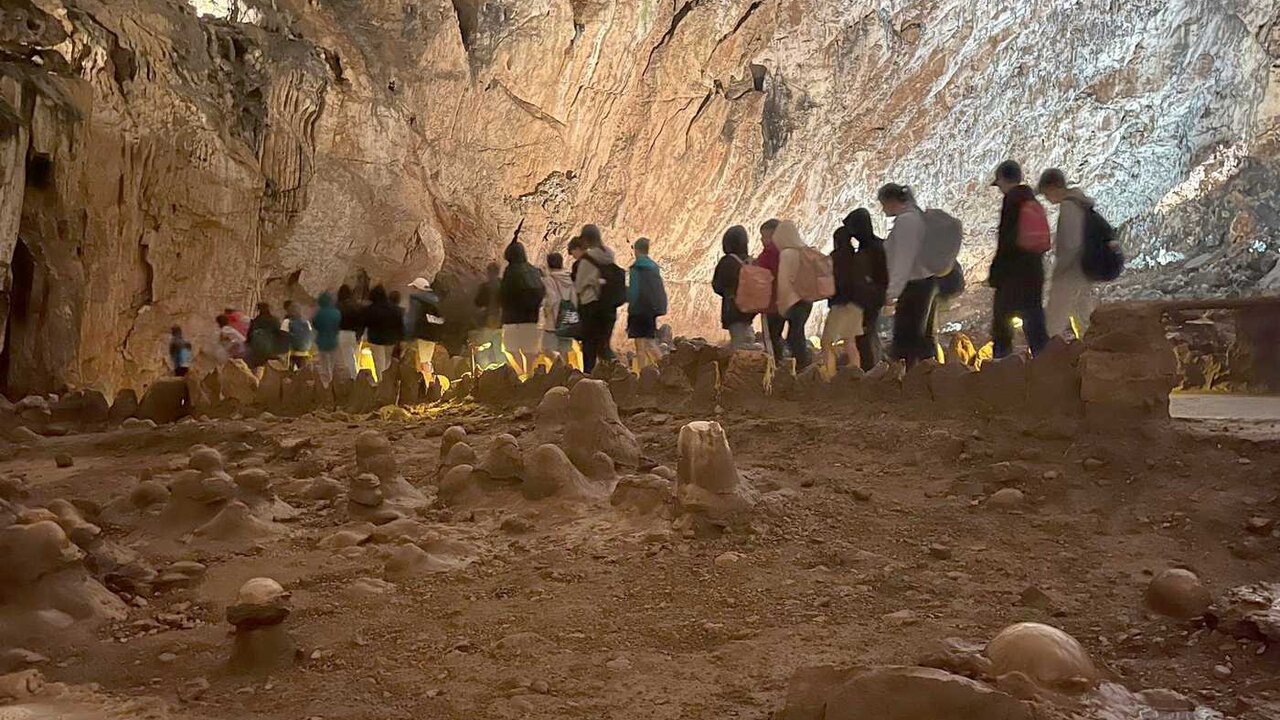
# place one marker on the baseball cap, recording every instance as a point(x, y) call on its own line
point(420, 284)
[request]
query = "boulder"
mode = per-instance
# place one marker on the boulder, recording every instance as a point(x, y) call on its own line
point(270, 393)
point(452, 436)
point(362, 397)
point(81, 532)
point(459, 454)
point(1053, 378)
point(708, 485)
point(1179, 594)
point(1046, 655)
point(204, 459)
point(552, 414)
point(238, 384)
point(147, 494)
point(388, 389)
point(1128, 366)
point(644, 495)
point(165, 401)
point(81, 408)
point(459, 487)
point(374, 455)
point(594, 426)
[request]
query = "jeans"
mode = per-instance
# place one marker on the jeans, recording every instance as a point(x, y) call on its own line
point(597, 332)
point(913, 321)
point(348, 349)
point(741, 335)
point(795, 319)
point(1023, 300)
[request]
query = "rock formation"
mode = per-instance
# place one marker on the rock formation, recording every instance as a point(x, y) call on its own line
point(1179, 594)
point(593, 426)
point(1044, 654)
point(260, 642)
point(156, 165)
point(709, 490)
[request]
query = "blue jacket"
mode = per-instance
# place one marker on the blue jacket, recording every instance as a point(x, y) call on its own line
point(327, 322)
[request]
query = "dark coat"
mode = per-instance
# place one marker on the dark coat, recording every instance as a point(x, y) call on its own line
point(385, 322)
point(872, 260)
point(725, 279)
point(522, 290)
point(1013, 266)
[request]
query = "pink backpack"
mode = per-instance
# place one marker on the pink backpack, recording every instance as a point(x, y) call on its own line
point(816, 278)
point(755, 289)
point(1033, 228)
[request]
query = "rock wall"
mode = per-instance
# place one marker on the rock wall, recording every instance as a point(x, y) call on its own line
point(158, 165)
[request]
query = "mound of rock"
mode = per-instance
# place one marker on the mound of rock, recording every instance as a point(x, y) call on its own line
point(44, 582)
point(549, 473)
point(709, 490)
point(237, 524)
point(644, 495)
point(594, 426)
point(503, 461)
point(1178, 593)
point(895, 693)
point(1046, 655)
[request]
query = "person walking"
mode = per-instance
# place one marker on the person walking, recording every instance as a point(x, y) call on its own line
point(229, 341)
point(301, 335)
point(425, 325)
point(1070, 292)
point(489, 336)
point(265, 337)
point(327, 324)
point(385, 327)
point(724, 282)
point(237, 320)
point(793, 310)
point(854, 290)
point(911, 285)
point(1017, 271)
point(769, 260)
point(352, 312)
point(522, 291)
point(871, 255)
point(559, 307)
point(180, 355)
point(596, 283)
point(646, 302)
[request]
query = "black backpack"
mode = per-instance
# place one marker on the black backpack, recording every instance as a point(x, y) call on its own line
point(952, 285)
point(613, 289)
point(1101, 258)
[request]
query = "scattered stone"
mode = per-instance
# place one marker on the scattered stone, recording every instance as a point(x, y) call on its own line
point(517, 525)
point(25, 436)
point(18, 686)
point(1046, 655)
point(1093, 464)
point(1178, 593)
point(374, 455)
point(618, 664)
point(1034, 597)
point(900, 617)
point(940, 552)
point(1260, 525)
point(896, 693)
point(1166, 701)
point(134, 423)
point(15, 659)
point(63, 460)
point(644, 495)
point(861, 494)
point(727, 559)
point(349, 536)
point(1006, 498)
point(192, 690)
point(1222, 672)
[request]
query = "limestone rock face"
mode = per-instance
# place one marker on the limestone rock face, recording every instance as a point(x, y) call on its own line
point(229, 162)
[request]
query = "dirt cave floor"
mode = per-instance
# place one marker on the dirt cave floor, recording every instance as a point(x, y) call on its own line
point(873, 542)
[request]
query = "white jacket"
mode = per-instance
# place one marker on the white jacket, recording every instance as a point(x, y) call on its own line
point(1069, 244)
point(787, 238)
point(559, 285)
point(903, 250)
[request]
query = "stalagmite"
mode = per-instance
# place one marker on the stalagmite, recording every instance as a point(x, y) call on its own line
point(709, 489)
point(260, 642)
point(594, 426)
point(549, 473)
point(503, 461)
point(452, 436)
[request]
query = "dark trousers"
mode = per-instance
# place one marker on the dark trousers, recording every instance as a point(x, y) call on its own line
point(597, 333)
point(794, 320)
point(913, 321)
point(869, 345)
point(1023, 300)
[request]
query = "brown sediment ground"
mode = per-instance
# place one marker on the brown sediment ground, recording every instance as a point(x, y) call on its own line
point(872, 541)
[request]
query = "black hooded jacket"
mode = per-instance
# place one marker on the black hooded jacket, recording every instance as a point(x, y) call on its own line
point(522, 289)
point(725, 279)
point(1012, 265)
point(872, 261)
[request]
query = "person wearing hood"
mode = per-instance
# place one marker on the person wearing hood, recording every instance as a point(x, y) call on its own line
point(301, 335)
point(724, 282)
point(1016, 274)
point(792, 309)
point(845, 311)
point(598, 316)
point(424, 325)
point(522, 292)
point(384, 322)
point(646, 302)
point(560, 305)
point(351, 311)
point(911, 284)
point(327, 325)
point(265, 337)
point(1070, 297)
point(871, 256)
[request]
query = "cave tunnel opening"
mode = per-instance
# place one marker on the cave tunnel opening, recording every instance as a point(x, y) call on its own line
point(22, 272)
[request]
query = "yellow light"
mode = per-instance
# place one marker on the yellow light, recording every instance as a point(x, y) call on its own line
point(1016, 322)
point(365, 362)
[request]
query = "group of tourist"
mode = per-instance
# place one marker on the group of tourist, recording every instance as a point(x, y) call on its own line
point(916, 271)
point(529, 314)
